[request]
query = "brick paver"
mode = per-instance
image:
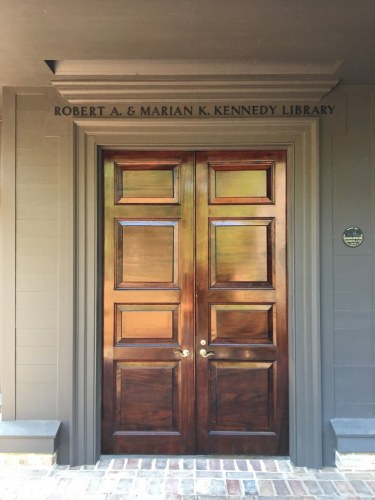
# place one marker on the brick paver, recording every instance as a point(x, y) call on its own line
point(177, 478)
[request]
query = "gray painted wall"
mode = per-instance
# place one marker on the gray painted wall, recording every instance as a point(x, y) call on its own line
point(348, 274)
point(37, 260)
point(353, 268)
point(44, 191)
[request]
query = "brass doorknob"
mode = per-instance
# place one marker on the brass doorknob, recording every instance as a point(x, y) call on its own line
point(206, 354)
point(184, 353)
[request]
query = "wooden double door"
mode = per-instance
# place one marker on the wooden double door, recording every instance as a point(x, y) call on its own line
point(194, 303)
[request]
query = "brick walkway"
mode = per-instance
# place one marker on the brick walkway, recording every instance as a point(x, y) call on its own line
point(122, 478)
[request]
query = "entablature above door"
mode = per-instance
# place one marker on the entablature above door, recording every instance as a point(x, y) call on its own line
point(114, 81)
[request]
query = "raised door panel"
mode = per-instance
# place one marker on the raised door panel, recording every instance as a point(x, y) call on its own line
point(241, 253)
point(147, 253)
point(147, 397)
point(241, 396)
point(239, 181)
point(150, 183)
point(146, 323)
point(241, 323)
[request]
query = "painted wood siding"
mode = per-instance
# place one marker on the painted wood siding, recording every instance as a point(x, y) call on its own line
point(353, 300)
point(347, 187)
point(41, 148)
point(37, 177)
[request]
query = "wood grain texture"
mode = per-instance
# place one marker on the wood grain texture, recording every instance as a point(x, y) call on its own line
point(223, 243)
point(148, 388)
point(241, 257)
point(241, 324)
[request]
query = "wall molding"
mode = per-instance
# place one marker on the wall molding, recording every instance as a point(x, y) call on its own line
point(234, 90)
point(299, 136)
point(94, 82)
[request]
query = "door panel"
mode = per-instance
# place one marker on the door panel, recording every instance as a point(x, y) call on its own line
point(241, 324)
point(207, 375)
point(241, 396)
point(140, 183)
point(146, 323)
point(147, 396)
point(230, 264)
point(136, 266)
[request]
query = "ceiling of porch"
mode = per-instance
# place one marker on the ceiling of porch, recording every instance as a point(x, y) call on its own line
point(263, 34)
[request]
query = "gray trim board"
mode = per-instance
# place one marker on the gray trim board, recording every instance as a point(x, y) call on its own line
point(8, 255)
point(299, 136)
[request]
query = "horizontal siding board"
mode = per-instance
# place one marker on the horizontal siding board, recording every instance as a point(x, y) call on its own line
point(37, 246)
point(353, 347)
point(37, 201)
point(37, 229)
point(44, 154)
point(37, 282)
point(36, 337)
point(36, 318)
point(31, 101)
point(30, 129)
point(36, 264)
point(354, 384)
point(352, 318)
point(353, 281)
point(36, 401)
point(36, 355)
point(357, 300)
point(352, 264)
point(37, 175)
point(354, 410)
point(27, 301)
point(36, 374)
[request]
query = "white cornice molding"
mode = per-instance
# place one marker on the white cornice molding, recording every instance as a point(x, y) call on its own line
point(190, 81)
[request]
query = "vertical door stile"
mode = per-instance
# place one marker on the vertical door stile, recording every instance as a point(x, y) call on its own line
point(187, 392)
point(201, 284)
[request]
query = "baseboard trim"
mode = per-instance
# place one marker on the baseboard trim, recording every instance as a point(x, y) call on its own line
point(354, 435)
point(29, 436)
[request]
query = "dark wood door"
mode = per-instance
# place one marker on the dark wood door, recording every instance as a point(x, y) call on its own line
point(148, 345)
point(241, 329)
point(194, 303)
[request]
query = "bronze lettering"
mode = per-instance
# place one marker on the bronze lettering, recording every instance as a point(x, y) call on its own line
point(114, 112)
point(203, 111)
point(79, 110)
point(220, 110)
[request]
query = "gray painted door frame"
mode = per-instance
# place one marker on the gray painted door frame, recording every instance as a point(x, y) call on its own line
point(299, 136)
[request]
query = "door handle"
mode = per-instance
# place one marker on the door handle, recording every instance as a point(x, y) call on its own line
point(184, 353)
point(206, 354)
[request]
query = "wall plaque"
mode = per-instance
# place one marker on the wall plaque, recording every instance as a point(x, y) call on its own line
point(353, 236)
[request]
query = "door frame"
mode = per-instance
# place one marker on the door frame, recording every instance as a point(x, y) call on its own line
point(300, 138)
